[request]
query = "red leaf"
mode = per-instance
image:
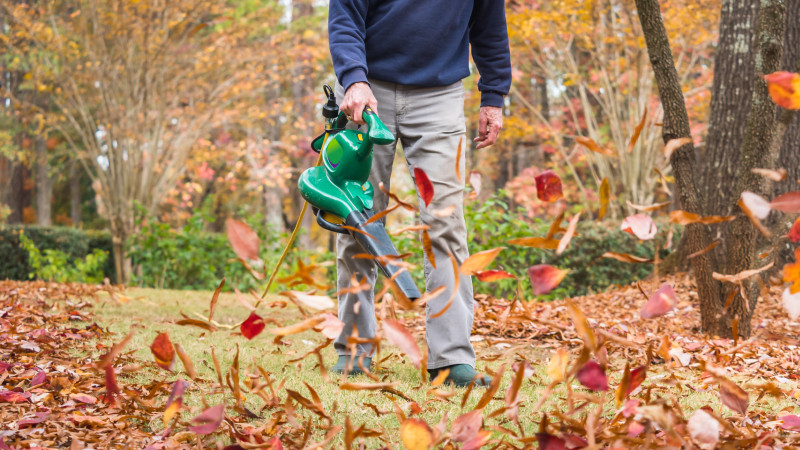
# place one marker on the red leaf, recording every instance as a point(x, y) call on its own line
point(397, 334)
point(790, 421)
point(14, 396)
point(637, 378)
point(550, 442)
point(488, 276)
point(208, 421)
point(640, 225)
point(252, 326)
point(244, 241)
point(794, 234)
point(466, 426)
point(163, 351)
point(39, 417)
point(39, 378)
point(660, 303)
point(480, 439)
point(733, 396)
point(788, 202)
point(593, 376)
point(424, 185)
point(332, 327)
point(544, 278)
point(112, 388)
point(548, 186)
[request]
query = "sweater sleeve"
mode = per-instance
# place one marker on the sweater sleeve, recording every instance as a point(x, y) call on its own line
point(488, 36)
point(346, 35)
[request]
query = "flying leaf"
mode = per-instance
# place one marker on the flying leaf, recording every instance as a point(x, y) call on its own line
point(548, 186)
point(478, 261)
point(163, 351)
point(214, 298)
point(791, 273)
point(743, 275)
point(648, 208)
point(756, 204)
point(593, 376)
point(784, 88)
point(209, 420)
point(444, 212)
point(175, 401)
point(252, 326)
point(790, 422)
point(791, 303)
point(399, 336)
point(424, 185)
point(466, 426)
point(244, 241)
point(565, 240)
point(674, 144)
point(545, 278)
point(622, 388)
point(794, 232)
point(638, 376)
point(427, 246)
point(458, 159)
point(594, 146)
point(733, 396)
point(112, 388)
point(318, 302)
point(774, 175)
point(624, 257)
point(488, 276)
point(549, 442)
point(416, 434)
point(582, 326)
point(704, 428)
point(480, 439)
point(299, 327)
point(686, 218)
point(660, 303)
point(788, 202)
point(637, 131)
point(536, 242)
point(557, 367)
point(640, 225)
point(186, 360)
point(331, 327)
point(604, 194)
point(475, 182)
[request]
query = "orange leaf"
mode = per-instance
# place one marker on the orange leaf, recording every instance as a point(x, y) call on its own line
point(427, 245)
point(593, 146)
point(479, 261)
point(637, 131)
point(163, 351)
point(791, 273)
point(557, 367)
point(784, 88)
point(686, 218)
point(536, 242)
point(582, 327)
point(244, 241)
point(624, 257)
point(548, 186)
point(416, 434)
point(604, 194)
point(424, 185)
point(458, 159)
point(647, 208)
point(214, 299)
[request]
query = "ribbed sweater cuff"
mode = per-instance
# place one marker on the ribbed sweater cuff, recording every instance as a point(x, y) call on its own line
point(353, 76)
point(491, 98)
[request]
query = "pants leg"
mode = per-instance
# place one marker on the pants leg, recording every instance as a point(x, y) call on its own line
point(430, 125)
point(363, 318)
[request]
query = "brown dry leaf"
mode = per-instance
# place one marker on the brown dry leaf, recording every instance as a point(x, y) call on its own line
point(479, 261)
point(705, 250)
point(604, 196)
point(416, 434)
point(427, 245)
point(624, 257)
point(406, 205)
point(466, 426)
point(647, 208)
point(593, 146)
point(582, 327)
point(488, 395)
point(741, 276)
point(318, 302)
point(455, 288)
point(187, 361)
point(299, 327)
point(400, 231)
point(557, 367)
point(382, 214)
point(637, 131)
point(564, 242)
point(213, 306)
point(774, 175)
point(112, 354)
point(733, 396)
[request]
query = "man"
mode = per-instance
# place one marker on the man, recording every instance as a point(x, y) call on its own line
point(405, 59)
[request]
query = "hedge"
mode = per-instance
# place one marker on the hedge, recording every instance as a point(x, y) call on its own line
point(72, 241)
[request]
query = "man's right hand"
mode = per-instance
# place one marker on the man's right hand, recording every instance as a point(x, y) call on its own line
point(358, 96)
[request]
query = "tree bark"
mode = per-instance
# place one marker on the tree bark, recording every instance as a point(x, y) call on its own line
point(44, 185)
point(730, 103)
point(675, 126)
point(790, 148)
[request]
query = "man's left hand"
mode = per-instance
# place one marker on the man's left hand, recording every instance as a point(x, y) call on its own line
point(489, 125)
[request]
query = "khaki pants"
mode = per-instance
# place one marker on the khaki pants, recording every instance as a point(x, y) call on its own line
point(429, 123)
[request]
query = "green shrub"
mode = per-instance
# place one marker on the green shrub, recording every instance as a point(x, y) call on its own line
point(74, 243)
point(55, 265)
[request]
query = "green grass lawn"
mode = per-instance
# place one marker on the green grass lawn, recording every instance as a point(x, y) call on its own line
point(151, 311)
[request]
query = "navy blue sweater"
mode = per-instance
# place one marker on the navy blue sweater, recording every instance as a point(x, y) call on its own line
point(421, 43)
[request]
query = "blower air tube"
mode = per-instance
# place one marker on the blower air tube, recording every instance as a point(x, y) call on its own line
point(381, 245)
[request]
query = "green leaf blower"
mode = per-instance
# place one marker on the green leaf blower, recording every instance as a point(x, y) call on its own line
point(339, 190)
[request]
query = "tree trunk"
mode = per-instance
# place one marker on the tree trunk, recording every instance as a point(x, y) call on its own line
point(675, 126)
point(790, 149)
point(44, 185)
point(730, 103)
point(757, 151)
point(75, 193)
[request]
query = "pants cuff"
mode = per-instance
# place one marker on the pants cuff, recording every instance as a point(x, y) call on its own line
point(439, 363)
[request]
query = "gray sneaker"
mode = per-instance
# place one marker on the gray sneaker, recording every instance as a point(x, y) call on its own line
point(462, 375)
point(344, 360)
